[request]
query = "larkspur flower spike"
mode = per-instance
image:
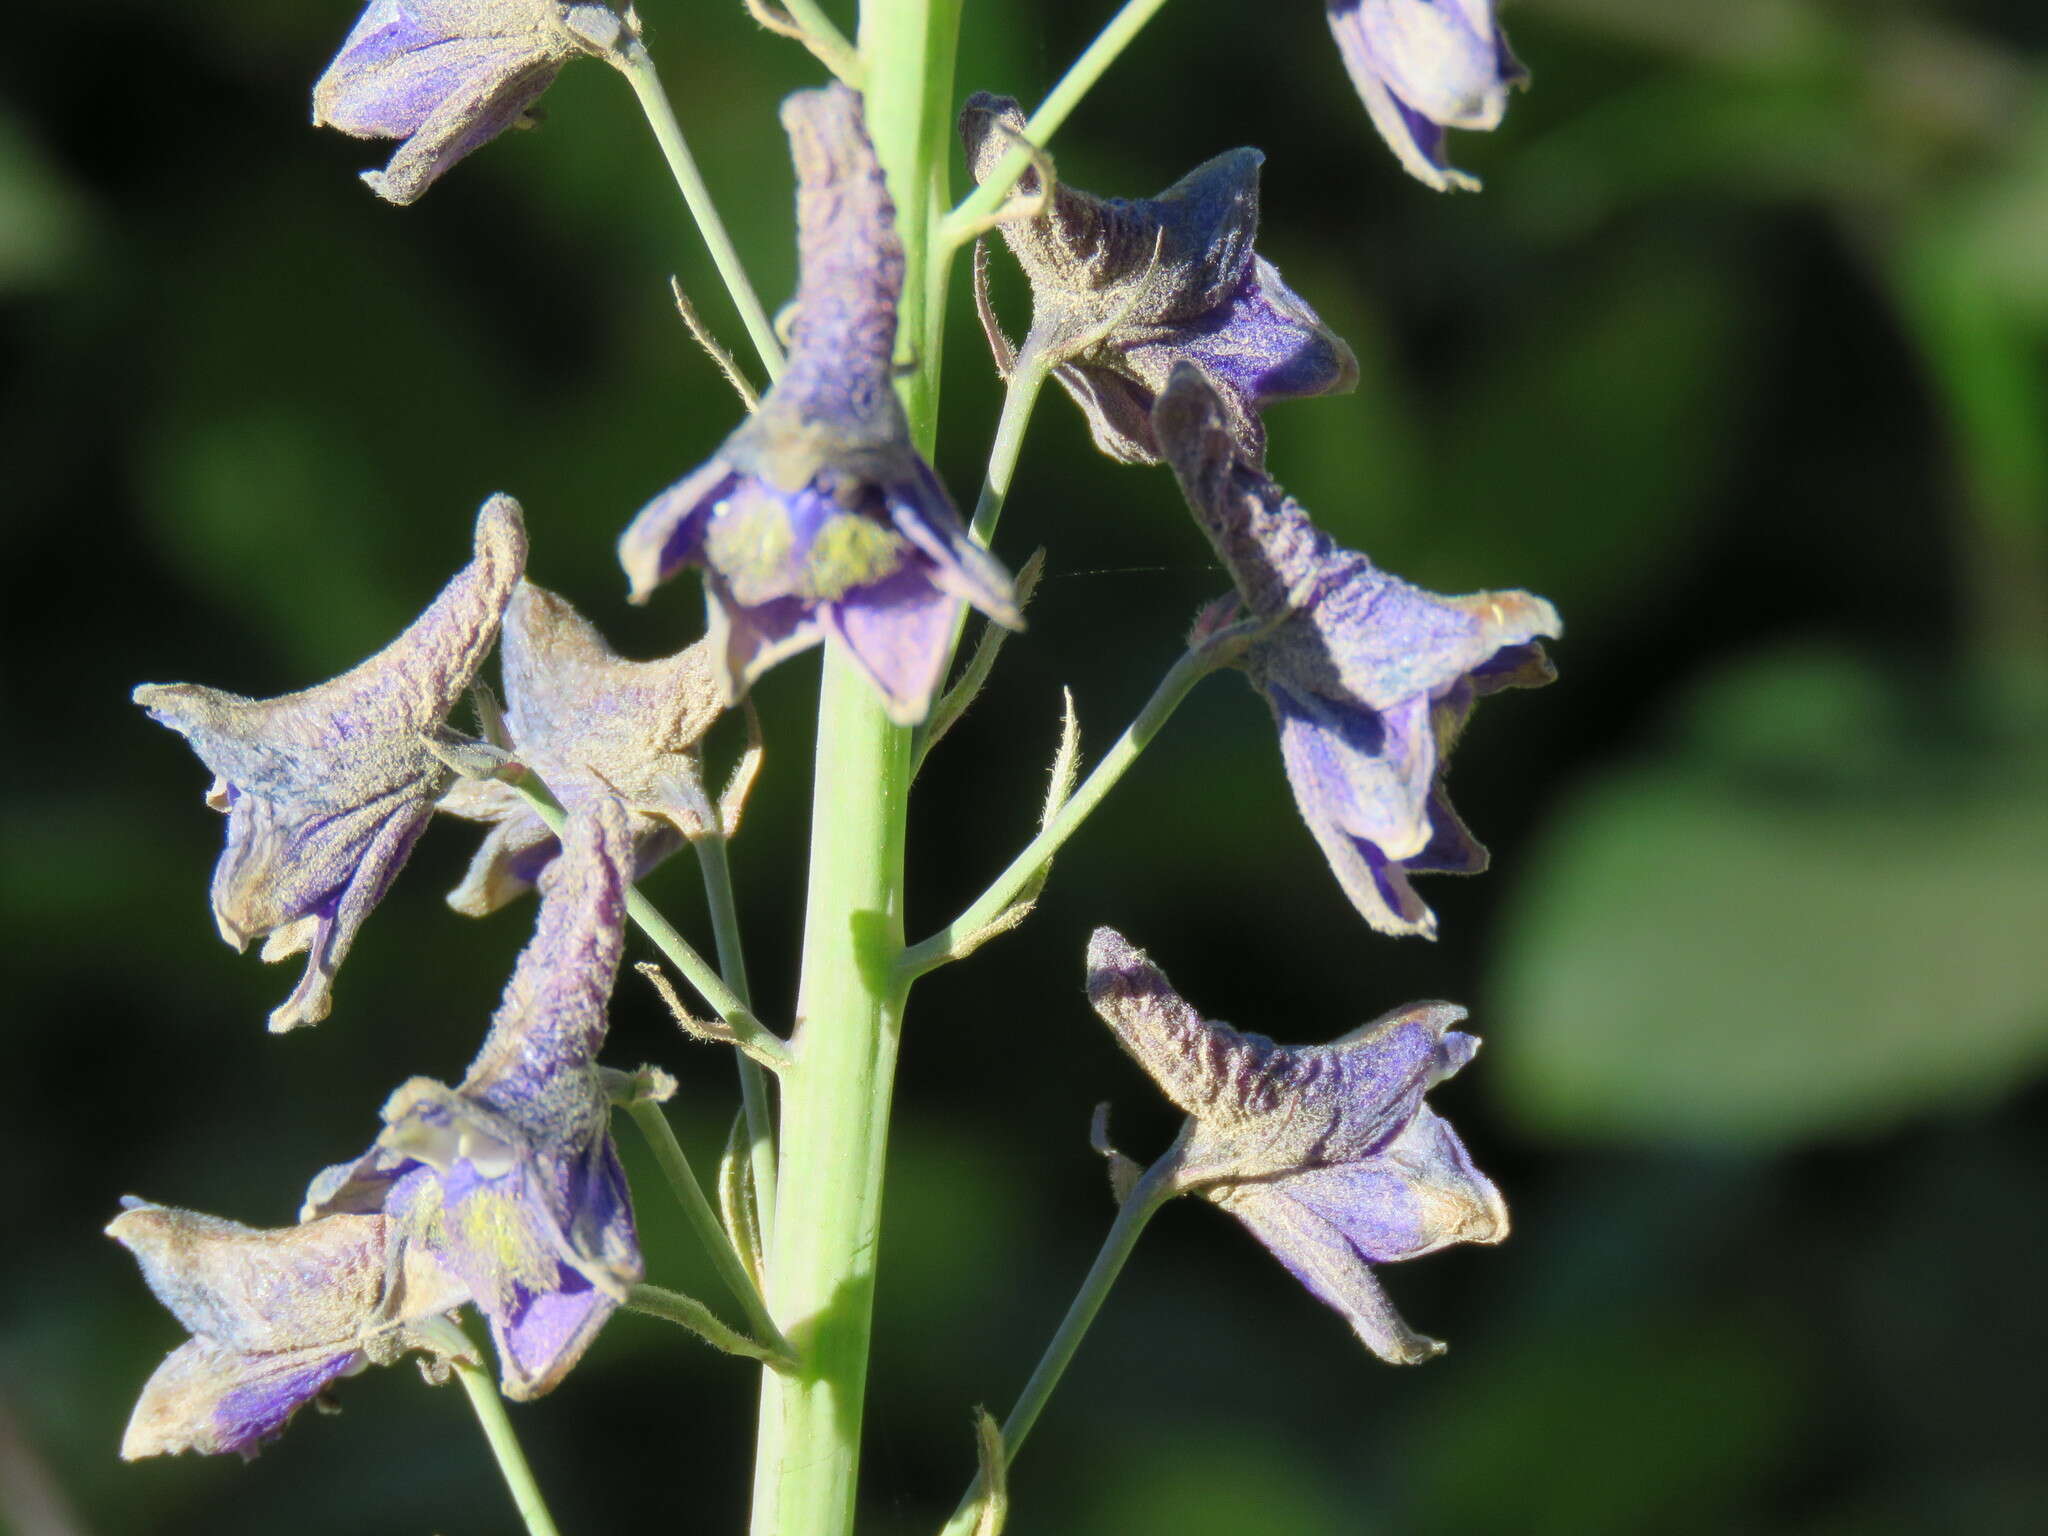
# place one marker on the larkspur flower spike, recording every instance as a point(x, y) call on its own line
point(1369, 679)
point(588, 720)
point(1326, 1152)
point(448, 76)
point(510, 1180)
point(326, 791)
point(1424, 66)
point(818, 519)
point(1122, 291)
point(276, 1317)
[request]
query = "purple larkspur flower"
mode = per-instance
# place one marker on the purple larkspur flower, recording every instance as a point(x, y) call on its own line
point(510, 1180)
point(1424, 66)
point(818, 519)
point(327, 790)
point(1123, 290)
point(1326, 1152)
point(276, 1317)
point(448, 76)
point(584, 717)
point(1370, 679)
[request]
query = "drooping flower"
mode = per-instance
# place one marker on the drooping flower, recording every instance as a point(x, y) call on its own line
point(581, 716)
point(327, 790)
point(1424, 66)
point(510, 1180)
point(1123, 290)
point(818, 519)
point(1326, 1152)
point(1370, 679)
point(448, 76)
point(276, 1318)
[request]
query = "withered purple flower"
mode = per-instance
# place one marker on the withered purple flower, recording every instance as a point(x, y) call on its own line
point(276, 1318)
point(510, 1180)
point(327, 790)
point(1370, 679)
point(1423, 66)
point(818, 519)
point(448, 76)
point(1326, 1152)
point(1121, 291)
point(581, 716)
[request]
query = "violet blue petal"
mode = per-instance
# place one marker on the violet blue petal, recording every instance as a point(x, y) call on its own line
point(276, 1317)
point(326, 790)
point(1370, 679)
point(1124, 290)
point(510, 1180)
point(1422, 66)
point(448, 76)
point(1326, 1152)
point(819, 501)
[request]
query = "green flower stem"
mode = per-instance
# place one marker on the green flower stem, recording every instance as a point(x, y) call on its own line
point(711, 1231)
point(1145, 1198)
point(1027, 378)
point(637, 65)
point(835, 1110)
point(732, 965)
point(958, 226)
point(1193, 666)
point(826, 40)
point(490, 1413)
point(690, 1313)
point(678, 951)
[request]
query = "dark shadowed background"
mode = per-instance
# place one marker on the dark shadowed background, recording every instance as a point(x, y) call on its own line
point(1740, 359)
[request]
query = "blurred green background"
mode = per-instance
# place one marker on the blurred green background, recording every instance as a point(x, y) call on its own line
point(1742, 359)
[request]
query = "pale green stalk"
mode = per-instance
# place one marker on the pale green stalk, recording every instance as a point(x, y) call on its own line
point(963, 222)
point(1027, 378)
point(732, 965)
point(1150, 1192)
point(512, 1466)
point(835, 1109)
point(688, 1312)
point(637, 66)
point(824, 39)
point(718, 1243)
point(1179, 681)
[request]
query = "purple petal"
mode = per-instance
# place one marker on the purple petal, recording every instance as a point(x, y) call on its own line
point(899, 632)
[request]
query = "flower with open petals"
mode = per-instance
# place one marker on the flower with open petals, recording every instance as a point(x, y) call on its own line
point(1423, 66)
point(327, 790)
point(1123, 290)
point(448, 76)
point(582, 716)
point(1370, 679)
point(1326, 1152)
point(276, 1318)
point(510, 1180)
point(818, 519)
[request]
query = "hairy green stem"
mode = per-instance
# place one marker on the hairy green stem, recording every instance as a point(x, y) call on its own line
point(1027, 378)
point(497, 1427)
point(822, 36)
point(1150, 1192)
point(688, 1312)
point(835, 1107)
point(668, 1152)
point(1193, 666)
point(732, 965)
point(637, 65)
point(959, 226)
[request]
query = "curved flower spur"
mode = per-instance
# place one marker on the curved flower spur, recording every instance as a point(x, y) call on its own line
point(1424, 66)
point(585, 718)
point(818, 519)
point(510, 1180)
point(1370, 680)
point(448, 76)
point(1326, 1152)
point(327, 790)
point(1122, 291)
